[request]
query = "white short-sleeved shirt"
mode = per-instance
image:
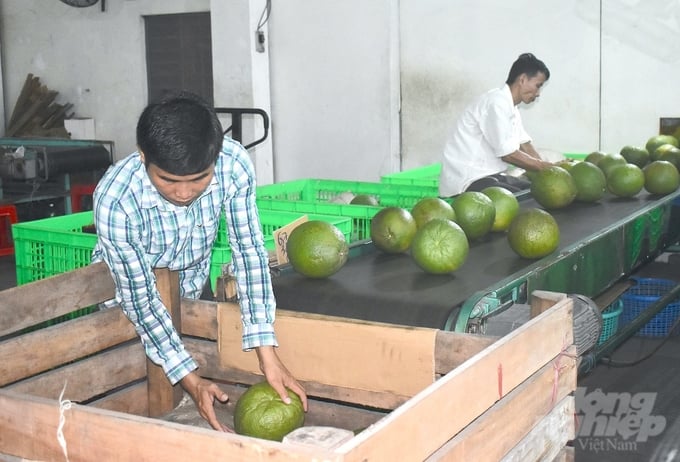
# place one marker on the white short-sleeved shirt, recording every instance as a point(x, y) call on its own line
point(489, 128)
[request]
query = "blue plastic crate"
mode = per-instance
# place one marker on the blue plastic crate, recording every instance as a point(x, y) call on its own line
point(644, 293)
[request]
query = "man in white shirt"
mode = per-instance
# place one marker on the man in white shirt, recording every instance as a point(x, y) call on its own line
point(489, 135)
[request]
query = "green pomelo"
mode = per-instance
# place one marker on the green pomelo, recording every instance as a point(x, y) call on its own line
point(440, 246)
point(657, 140)
point(392, 229)
point(635, 155)
point(662, 151)
point(364, 199)
point(594, 157)
point(506, 205)
point(661, 177)
point(475, 213)
point(317, 249)
point(591, 184)
point(672, 156)
point(610, 161)
point(534, 233)
point(261, 413)
point(553, 187)
point(429, 208)
point(625, 180)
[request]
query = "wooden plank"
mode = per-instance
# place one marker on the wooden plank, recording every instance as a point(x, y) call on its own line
point(30, 84)
point(517, 414)
point(393, 359)
point(163, 397)
point(56, 345)
point(45, 98)
point(441, 410)
point(30, 304)
point(99, 434)
point(90, 377)
point(542, 300)
point(548, 437)
point(204, 353)
point(129, 400)
point(199, 319)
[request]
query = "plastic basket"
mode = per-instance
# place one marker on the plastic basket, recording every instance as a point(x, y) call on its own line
point(575, 155)
point(316, 196)
point(610, 321)
point(639, 297)
point(421, 176)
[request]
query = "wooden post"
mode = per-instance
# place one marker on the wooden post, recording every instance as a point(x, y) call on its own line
point(542, 300)
point(163, 397)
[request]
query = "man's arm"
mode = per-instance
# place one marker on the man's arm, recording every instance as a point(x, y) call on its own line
point(530, 160)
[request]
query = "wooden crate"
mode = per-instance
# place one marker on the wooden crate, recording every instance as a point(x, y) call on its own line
point(508, 398)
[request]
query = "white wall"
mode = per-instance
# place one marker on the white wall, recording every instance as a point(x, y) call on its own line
point(363, 88)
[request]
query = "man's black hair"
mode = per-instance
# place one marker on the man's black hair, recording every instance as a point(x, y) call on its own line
point(180, 134)
point(527, 64)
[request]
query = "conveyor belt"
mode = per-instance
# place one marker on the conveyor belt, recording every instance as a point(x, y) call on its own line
point(378, 287)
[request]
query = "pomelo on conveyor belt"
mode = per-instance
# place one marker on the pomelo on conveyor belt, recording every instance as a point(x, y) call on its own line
point(534, 233)
point(610, 161)
point(595, 156)
point(364, 199)
point(625, 180)
point(439, 246)
point(429, 208)
point(553, 187)
point(506, 205)
point(663, 150)
point(317, 249)
point(591, 184)
point(475, 213)
point(672, 156)
point(657, 140)
point(635, 155)
point(392, 229)
point(661, 177)
point(261, 413)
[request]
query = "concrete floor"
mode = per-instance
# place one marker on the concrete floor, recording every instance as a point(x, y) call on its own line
point(626, 414)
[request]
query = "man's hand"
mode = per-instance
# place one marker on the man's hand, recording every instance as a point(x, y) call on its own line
point(278, 376)
point(204, 393)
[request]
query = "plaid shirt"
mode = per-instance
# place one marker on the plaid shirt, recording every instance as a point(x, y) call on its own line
point(138, 230)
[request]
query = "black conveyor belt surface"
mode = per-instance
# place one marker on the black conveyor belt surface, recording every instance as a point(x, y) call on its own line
point(390, 288)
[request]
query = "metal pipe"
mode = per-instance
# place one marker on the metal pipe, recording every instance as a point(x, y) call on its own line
point(590, 360)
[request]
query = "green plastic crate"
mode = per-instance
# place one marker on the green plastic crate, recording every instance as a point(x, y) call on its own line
point(420, 176)
point(52, 246)
point(315, 196)
point(575, 155)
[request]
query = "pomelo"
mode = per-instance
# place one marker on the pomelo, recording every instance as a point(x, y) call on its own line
point(439, 246)
point(610, 161)
point(475, 213)
point(661, 177)
point(428, 208)
point(591, 184)
point(317, 249)
point(392, 229)
point(506, 205)
point(534, 233)
point(261, 413)
point(658, 140)
point(364, 199)
point(635, 155)
point(662, 151)
point(553, 187)
point(625, 180)
point(594, 157)
point(672, 156)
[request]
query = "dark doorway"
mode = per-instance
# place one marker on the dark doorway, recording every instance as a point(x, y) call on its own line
point(179, 54)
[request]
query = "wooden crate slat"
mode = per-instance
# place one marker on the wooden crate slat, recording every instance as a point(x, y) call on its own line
point(436, 414)
point(25, 355)
point(129, 400)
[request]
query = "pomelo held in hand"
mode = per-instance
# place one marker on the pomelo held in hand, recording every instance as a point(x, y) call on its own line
point(439, 246)
point(392, 229)
point(534, 233)
point(317, 249)
point(261, 413)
